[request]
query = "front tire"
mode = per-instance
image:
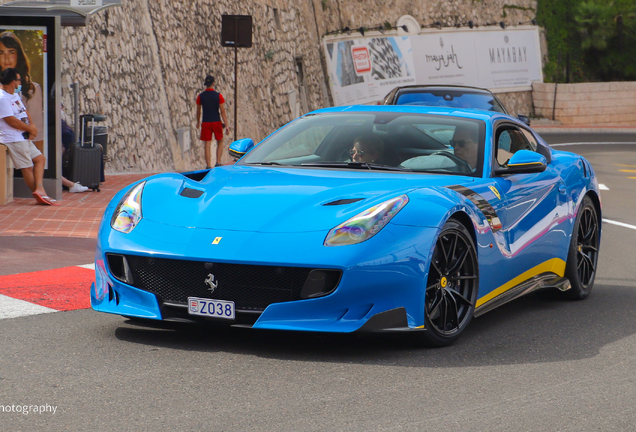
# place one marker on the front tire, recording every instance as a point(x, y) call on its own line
point(452, 285)
point(582, 259)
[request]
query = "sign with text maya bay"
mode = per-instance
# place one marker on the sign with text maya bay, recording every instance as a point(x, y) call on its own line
point(500, 60)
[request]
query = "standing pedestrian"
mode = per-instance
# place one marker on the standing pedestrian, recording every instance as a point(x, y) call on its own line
point(211, 103)
point(16, 131)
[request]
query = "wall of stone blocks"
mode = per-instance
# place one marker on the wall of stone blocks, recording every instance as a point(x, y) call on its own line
point(608, 104)
point(146, 72)
point(517, 102)
point(142, 65)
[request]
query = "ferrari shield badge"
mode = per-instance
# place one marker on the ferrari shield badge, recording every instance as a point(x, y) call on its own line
point(495, 191)
point(217, 240)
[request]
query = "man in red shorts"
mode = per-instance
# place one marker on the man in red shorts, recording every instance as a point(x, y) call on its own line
point(211, 102)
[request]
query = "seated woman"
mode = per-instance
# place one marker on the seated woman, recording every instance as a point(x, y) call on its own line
point(368, 149)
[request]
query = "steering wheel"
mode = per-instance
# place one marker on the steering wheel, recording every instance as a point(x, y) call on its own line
point(461, 163)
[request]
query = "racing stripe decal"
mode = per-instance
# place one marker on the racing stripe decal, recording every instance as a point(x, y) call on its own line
point(482, 204)
point(554, 265)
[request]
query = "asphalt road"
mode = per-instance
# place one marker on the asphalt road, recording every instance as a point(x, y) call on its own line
point(597, 137)
point(536, 364)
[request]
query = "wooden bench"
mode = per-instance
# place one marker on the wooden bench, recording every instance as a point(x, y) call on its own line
point(6, 176)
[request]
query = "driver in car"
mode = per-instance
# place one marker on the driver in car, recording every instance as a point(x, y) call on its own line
point(465, 145)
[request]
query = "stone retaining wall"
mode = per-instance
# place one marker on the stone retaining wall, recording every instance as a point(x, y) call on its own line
point(517, 102)
point(608, 104)
point(143, 64)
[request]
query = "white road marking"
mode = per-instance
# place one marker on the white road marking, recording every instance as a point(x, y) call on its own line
point(92, 266)
point(589, 143)
point(13, 308)
point(601, 186)
point(619, 224)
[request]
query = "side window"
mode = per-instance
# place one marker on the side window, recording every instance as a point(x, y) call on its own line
point(510, 140)
point(531, 140)
point(504, 142)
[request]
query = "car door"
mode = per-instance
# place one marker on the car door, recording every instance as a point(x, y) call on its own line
point(534, 204)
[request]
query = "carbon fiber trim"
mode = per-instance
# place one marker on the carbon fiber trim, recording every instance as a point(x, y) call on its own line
point(483, 205)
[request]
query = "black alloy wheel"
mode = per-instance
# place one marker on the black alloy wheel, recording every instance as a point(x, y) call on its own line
point(451, 289)
point(583, 253)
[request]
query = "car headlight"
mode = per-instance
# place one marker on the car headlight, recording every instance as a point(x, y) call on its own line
point(366, 224)
point(128, 213)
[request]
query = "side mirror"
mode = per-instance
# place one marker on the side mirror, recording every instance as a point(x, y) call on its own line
point(239, 148)
point(524, 162)
point(524, 119)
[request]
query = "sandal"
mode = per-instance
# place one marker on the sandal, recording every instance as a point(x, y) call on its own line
point(44, 200)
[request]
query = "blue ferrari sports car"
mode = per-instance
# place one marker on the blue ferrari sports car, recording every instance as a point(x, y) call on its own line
point(356, 219)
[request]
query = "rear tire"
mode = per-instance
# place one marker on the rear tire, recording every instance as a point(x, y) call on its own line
point(452, 286)
point(582, 259)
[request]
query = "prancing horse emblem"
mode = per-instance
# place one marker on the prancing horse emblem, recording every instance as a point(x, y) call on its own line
point(211, 282)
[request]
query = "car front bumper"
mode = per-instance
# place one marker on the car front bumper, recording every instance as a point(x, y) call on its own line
point(384, 277)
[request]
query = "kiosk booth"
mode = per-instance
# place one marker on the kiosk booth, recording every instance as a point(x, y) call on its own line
point(34, 28)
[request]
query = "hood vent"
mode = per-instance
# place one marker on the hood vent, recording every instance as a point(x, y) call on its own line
point(191, 193)
point(196, 175)
point(343, 201)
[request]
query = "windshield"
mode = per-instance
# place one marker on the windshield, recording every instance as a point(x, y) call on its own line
point(452, 98)
point(389, 141)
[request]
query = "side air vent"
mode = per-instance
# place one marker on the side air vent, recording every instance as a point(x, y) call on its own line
point(343, 201)
point(196, 175)
point(191, 193)
point(320, 282)
point(118, 265)
point(584, 168)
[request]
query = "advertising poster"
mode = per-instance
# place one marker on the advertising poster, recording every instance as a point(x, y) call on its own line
point(366, 69)
point(446, 58)
point(24, 49)
point(509, 59)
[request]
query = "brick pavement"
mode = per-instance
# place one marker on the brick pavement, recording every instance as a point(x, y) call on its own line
point(78, 214)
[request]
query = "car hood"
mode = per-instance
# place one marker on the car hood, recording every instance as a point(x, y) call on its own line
point(275, 200)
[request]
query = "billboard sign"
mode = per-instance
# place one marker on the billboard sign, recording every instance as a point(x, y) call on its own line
point(500, 60)
point(28, 44)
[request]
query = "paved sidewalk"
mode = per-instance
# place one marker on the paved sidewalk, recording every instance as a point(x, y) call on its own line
point(78, 214)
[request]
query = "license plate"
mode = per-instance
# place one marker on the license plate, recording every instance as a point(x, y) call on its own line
point(211, 308)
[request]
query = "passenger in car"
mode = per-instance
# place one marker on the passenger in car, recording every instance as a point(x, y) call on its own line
point(367, 148)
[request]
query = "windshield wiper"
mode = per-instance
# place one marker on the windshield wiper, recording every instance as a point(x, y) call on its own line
point(266, 163)
point(370, 166)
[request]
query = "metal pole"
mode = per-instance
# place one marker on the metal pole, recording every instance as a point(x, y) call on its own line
point(554, 102)
point(235, 75)
point(75, 87)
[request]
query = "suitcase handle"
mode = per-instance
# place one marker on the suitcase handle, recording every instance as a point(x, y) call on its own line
point(92, 118)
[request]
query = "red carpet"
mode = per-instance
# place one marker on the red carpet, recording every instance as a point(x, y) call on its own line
point(61, 289)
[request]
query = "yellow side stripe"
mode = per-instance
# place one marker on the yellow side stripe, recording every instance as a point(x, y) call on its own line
point(522, 164)
point(554, 265)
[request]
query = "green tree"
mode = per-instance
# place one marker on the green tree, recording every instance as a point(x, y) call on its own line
point(608, 38)
point(564, 44)
point(589, 40)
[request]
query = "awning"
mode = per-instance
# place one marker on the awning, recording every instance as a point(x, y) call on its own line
point(71, 15)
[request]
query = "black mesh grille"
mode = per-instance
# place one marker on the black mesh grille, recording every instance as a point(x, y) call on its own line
point(250, 287)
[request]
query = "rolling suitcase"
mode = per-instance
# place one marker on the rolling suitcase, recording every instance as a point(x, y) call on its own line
point(86, 161)
point(86, 165)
